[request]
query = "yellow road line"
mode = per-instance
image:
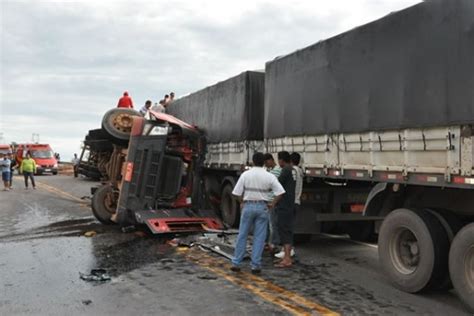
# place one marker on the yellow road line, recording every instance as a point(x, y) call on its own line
point(61, 193)
point(288, 300)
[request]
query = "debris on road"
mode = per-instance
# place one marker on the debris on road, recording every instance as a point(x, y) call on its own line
point(86, 302)
point(90, 233)
point(96, 275)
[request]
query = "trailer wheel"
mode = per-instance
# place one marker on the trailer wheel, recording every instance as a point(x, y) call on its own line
point(103, 204)
point(229, 207)
point(452, 225)
point(461, 265)
point(413, 249)
point(118, 123)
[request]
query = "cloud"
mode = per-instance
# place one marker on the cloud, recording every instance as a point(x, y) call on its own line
point(64, 63)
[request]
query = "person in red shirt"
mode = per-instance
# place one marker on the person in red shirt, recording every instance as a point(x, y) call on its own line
point(125, 101)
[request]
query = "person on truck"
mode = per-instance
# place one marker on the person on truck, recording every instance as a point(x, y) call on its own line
point(295, 162)
point(144, 109)
point(125, 101)
point(285, 209)
point(28, 168)
point(5, 170)
point(273, 239)
point(252, 192)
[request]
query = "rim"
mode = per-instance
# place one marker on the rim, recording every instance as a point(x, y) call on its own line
point(469, 266)
point(405, 251)
point(123, 122)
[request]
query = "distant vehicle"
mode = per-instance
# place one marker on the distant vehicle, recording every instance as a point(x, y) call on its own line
point(5, 149)
point(42, 154)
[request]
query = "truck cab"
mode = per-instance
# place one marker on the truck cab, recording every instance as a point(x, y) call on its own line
point(160, 180)
point(5, 149)
point(42, 154)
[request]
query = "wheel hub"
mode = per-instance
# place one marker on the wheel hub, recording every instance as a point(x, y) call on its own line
point(123, 122)
point(405, 251)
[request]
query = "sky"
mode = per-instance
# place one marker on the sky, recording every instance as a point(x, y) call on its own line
point(63, 64)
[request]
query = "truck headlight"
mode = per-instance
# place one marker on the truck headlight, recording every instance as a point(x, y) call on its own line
point(55, 165)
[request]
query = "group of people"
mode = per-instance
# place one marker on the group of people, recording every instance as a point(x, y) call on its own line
point(269, 195)
point(126, 102)
point(8, 164)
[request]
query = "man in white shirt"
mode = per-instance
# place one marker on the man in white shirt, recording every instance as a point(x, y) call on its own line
point(252, 190)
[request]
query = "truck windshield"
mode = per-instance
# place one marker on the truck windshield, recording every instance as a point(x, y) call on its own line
point(4, 150)
point(41, 154)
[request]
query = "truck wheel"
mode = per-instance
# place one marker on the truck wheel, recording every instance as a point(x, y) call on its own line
point(461, 265)
point(452, 225)
point(103, 204)
point(118, 123)
point(413, 249)
point(229, 207)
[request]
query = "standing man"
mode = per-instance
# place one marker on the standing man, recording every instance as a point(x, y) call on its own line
point(28, 168)
point(12, 168)
point(159, 107)
point(75, 165)
point(295, 161)
point(5, 170)
point(145, 108)
point(125, 101)
point(273, 238)
point(252, 190)
point(170, 100)
point(285, 209)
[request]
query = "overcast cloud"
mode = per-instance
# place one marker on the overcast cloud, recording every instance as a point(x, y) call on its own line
point(64, 63)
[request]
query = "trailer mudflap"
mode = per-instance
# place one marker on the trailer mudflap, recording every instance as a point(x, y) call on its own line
point(165, 221)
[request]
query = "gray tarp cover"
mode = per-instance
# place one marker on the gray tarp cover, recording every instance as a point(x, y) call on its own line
point(231, 110)
point(412, 68)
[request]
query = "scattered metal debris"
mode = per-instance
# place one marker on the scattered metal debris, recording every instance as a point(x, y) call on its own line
point(96, 275)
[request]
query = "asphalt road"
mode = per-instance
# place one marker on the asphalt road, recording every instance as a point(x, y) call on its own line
point(43, 249)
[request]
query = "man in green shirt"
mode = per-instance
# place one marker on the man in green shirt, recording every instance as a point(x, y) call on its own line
point(28, 168)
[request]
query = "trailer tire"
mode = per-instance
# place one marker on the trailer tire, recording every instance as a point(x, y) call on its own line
point(118, 123)
point(452, 225)
point(461, 265)
point(413, 249)
point(229, 207)
point(101, 207)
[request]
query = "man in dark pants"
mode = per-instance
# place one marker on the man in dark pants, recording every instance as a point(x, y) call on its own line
point(285, 210)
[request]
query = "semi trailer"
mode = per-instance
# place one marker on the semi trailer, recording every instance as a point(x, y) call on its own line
point(382, 116)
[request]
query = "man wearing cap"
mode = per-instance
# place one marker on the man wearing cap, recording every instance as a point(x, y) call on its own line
point(252, 190)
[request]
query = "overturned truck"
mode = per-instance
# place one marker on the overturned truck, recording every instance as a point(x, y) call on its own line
point(152, 174)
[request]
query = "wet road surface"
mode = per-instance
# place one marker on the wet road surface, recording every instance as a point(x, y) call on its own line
point(43, 250)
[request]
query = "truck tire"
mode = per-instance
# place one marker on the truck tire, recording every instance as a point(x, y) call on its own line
point(461, 265)
point(452, 225)
point(118, 123)
point(229, 207)
point(102, 204)
point(413, 250)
